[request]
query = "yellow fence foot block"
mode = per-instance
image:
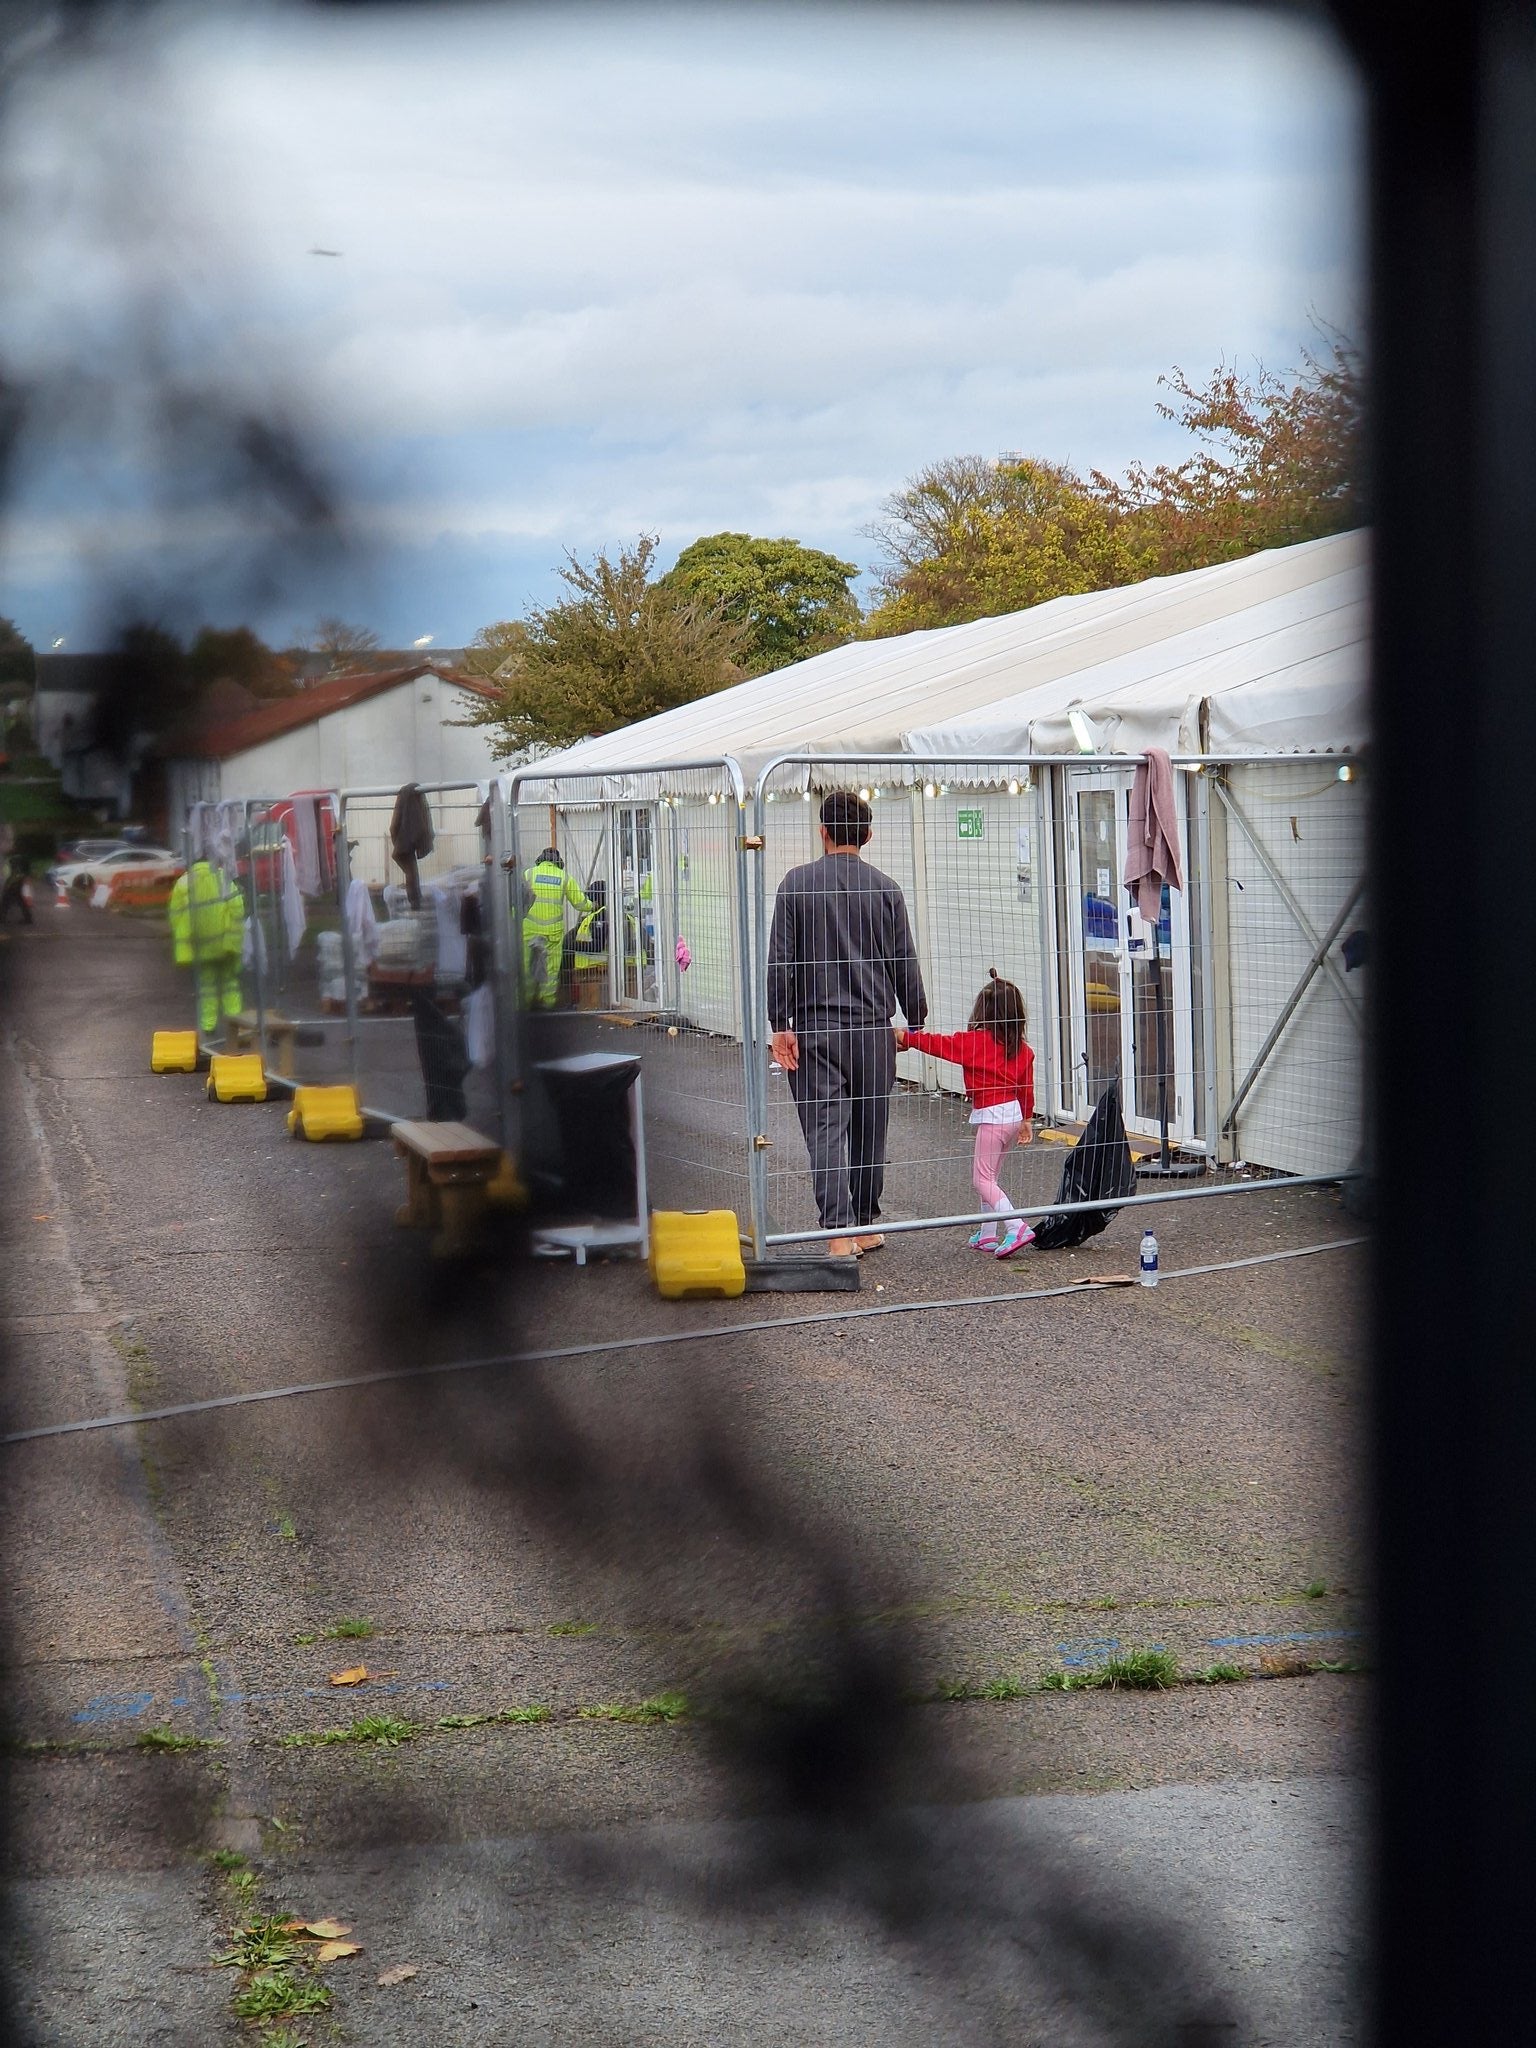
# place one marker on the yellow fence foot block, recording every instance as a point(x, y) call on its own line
point(236, 1077)
point(504, 1190)
point(173, 1052)
point(321, 1113)
point(696, 1253)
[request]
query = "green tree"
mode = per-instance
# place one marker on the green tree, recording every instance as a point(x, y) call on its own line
point(16, 664)
point(620, 647)
point(968, 538)
point(790, 601)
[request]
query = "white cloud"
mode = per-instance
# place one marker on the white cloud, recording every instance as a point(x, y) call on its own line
point(682, 270)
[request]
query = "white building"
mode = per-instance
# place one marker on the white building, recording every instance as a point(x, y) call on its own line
point(371, 730)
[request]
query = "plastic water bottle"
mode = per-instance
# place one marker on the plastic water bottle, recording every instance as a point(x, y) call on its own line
point(1148, 1259)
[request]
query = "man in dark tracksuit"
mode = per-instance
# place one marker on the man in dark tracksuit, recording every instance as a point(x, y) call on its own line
point(840, 962)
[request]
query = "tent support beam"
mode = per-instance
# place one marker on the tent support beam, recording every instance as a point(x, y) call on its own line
point(1287, 896)
point(1277, 1029)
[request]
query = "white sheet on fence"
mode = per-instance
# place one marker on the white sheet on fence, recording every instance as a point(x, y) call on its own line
point(872, 695)
point(1288, 675)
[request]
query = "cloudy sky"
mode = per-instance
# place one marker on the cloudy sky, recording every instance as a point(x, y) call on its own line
point(604, 272)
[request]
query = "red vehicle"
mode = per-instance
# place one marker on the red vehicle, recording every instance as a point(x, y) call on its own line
point(280, 821)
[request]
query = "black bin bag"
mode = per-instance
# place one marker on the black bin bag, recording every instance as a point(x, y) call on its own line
point(1098, 1169)
point(591, 1171)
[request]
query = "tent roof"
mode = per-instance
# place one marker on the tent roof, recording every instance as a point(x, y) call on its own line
point(903, 694)
point(1284, 675)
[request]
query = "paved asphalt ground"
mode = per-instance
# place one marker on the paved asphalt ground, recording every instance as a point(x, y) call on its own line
point(809, 1531)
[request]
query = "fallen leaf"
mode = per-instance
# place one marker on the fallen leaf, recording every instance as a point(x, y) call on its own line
point(402, 1973)
point(354, 1675)
point(333, 1951)
point(292, 1926)
point(325, 1930)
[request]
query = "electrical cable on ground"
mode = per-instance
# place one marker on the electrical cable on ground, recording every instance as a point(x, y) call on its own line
point(654, 1341)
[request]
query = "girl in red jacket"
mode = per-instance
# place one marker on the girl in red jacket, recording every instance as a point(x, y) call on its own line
point(999, 1071)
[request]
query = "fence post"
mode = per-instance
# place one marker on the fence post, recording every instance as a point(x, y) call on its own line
point(751, 947)
point(1042, 881)
point(252, 894)
point(495, 931)
point(348, 953)
point(1211, 1110)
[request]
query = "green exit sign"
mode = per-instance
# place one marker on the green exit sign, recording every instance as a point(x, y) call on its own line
point(970, 824)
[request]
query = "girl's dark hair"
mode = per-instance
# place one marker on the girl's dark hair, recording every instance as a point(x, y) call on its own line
point(999, 1009)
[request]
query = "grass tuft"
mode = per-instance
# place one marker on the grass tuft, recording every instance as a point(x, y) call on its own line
point(508, 1717)
point(227, 1859)
point(662, 1706)
point(165, 1740)
point(1151, 1670)
point(1221, 1674)
point(1003, 1688)
point(1314, 1589)
point(381, 1729)
point(264, 1944)
point(274, 1995)
point(574, 1628)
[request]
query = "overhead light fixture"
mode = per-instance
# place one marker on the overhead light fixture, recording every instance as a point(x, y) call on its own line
point(863, 796)
point(930, 789)
point(714, 796)
point(805, 796)
point(1346, 772)
point(1013, 788)
point(1084, 731)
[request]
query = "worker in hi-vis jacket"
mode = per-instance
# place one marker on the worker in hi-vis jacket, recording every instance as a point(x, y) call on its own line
point(547, 892)
point(207, 916)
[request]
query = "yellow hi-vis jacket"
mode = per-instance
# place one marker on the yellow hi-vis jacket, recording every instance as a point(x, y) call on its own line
point(207, 917)
point(583, 942)
point(550, 890)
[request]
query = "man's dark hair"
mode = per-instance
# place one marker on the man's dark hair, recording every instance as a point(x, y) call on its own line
point(550, 853)
point(847, 817)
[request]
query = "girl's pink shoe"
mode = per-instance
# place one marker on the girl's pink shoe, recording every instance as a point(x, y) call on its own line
point(1014, 1236)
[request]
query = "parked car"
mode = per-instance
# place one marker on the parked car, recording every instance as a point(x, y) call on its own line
point(74, 851)
point(150, 862)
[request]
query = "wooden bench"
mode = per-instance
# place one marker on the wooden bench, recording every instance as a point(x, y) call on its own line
point(245, 1036)
point(447, 1168)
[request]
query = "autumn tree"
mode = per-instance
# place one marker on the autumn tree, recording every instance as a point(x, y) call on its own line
point(495, 646)
point(790, 601)
point(620, 647)
point(347, 645)
point(969, 538)
point(1279, 460)
point(238, 655)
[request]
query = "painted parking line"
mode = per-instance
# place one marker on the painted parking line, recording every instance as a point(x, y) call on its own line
point(133, 1706)
point(1305, 1635)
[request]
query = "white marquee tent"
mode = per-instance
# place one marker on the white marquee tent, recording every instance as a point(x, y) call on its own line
point(1264, 657)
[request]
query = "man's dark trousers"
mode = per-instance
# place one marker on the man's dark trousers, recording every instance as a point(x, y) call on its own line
point(842, 1090)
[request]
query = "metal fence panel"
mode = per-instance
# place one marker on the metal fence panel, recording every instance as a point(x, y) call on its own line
point(660, 858)
point(405, 969)
point(1231, 1018)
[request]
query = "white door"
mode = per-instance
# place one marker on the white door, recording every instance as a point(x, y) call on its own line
point(634, 936)
point(1130, 1014)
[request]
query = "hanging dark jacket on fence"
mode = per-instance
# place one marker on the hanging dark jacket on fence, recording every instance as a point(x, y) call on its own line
point(411, 838)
